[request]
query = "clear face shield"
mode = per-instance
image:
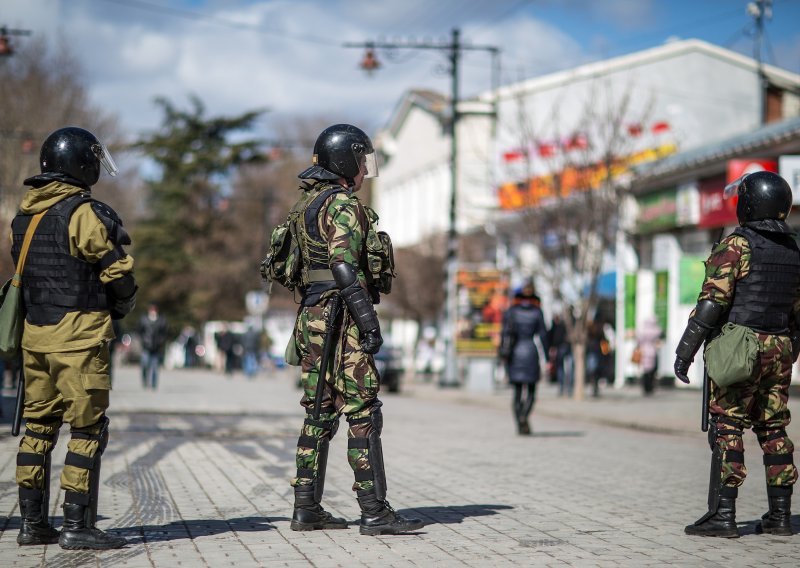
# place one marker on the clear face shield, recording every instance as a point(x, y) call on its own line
point(370, 165)
point(733, 188)
point(105, 158)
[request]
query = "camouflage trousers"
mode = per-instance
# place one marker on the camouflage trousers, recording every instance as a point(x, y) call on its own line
point(759, 403)
point(351, 388)
point(68, 387)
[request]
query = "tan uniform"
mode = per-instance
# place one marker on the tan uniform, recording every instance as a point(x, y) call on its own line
point(66, 365)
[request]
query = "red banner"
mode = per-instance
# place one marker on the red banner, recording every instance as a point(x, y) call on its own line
point(737, 168)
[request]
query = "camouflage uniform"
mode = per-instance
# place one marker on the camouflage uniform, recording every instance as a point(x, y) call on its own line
point(759, 403)
point(352, 386)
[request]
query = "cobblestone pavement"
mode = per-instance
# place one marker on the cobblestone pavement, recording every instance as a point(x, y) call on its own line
point(196, 474)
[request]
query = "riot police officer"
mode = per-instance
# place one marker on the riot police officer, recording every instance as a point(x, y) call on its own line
point(77, 277)
point(343, 255)
point(752, 280)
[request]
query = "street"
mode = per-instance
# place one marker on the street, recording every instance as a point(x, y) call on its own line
point(197, 474)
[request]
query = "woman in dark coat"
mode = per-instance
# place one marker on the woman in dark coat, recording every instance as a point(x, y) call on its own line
point(521, 323)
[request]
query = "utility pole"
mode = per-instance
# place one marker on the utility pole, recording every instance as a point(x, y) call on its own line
point(761, 10)
point(6, 47)
point(453, 50)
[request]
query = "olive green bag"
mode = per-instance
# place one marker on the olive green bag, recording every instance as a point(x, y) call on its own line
point(731, 356)
point(12, 308)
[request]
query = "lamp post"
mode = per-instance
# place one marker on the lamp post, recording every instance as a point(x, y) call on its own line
point(454, 49)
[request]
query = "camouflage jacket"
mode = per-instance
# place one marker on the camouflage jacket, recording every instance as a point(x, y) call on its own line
point(728, 263)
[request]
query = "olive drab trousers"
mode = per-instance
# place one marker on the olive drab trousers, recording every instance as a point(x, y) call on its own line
point(70, 387)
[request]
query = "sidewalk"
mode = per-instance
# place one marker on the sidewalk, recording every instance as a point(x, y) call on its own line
point(197, 474)
point(667, 411)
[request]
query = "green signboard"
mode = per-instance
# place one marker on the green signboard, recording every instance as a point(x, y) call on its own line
point(692, 273)
point(662, 297)
point(630, 301)
point(657, 211)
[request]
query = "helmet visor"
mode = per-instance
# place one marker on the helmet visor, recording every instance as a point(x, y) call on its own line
point(733, 188)
point(371, 165)
point(105, 158)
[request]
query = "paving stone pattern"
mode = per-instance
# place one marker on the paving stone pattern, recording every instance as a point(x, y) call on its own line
point(196, 474)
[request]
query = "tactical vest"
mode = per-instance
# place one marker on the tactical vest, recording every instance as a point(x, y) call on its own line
point(765, 298)
point(55, 282)
point(313, 247)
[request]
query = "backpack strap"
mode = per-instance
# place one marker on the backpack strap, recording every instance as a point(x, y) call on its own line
point(23, 254)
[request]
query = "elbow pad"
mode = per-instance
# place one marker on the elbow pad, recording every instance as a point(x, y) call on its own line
point(121, 296)
point(706, 317)
point(358, 300)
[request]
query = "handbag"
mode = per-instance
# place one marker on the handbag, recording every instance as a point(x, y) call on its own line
point(636, 356)
point(12, 308)
point(731, 356)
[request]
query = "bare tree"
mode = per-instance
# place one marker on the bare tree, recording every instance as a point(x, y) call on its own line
point(42, 88)
point(570, 202)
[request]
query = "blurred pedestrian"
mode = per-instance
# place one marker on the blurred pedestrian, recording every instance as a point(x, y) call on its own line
point(188, 339)
point(560, 355)
point(153, 334)
point(751, 293)
point(648, 341)
point(522, 322)
point(77, 279)
point(251, 347)
point(596, 349)
point(226, 345)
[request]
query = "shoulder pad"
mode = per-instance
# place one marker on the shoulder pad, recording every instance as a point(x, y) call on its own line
point(112, 223)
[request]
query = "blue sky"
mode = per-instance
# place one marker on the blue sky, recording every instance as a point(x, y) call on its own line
point(287, 55)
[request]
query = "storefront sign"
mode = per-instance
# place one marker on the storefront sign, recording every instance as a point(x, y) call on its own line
point(687, 207)
point(692, 272)
point(483, 298)
point(789, 169)
point(662, 298)
point(715, 211)
point(657, 211)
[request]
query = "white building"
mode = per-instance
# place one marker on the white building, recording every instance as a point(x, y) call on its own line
point(678, 96)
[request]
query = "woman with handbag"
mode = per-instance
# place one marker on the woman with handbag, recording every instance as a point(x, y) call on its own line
point(522, 322)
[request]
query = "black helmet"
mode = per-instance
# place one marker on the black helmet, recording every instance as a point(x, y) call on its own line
point(339, 152)
point(76, 153)
point(762, 195)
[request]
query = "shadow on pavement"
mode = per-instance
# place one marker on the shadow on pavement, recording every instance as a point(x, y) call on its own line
point(177, 530)
point(453, 514)
point(554, 434)
point(750, 527)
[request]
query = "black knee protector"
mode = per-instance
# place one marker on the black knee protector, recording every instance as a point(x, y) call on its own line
point(97, 432)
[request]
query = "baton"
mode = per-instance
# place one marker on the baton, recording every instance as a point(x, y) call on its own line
point(15, 425)
point(327, 348)
point(706, 397)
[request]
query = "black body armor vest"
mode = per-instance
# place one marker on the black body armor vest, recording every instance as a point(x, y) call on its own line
point(55, 282)
point(764, 299)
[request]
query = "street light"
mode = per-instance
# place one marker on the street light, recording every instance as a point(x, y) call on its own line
point(370, 63)
point(6, 47)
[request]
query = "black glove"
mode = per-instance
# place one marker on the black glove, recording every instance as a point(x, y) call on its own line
point(682, 369)
point(371, 341)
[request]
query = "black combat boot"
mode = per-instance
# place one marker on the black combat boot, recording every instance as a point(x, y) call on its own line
point(35, 528)
point(308, 513)
point(721, 523)
point(76, 534)
point(378, 518)
point(778, 519)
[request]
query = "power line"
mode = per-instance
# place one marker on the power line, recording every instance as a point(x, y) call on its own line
point(195, 15)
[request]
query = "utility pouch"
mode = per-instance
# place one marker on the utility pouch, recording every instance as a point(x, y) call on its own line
point(292, 355)
point(731, 356)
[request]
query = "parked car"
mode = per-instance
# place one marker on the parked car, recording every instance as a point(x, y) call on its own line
point(389, 362)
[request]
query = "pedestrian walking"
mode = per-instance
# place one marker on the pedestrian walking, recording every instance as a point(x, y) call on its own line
point(344, 259)
point(596, 350)
point(560, 355)
point(522, 322)
point(153, 334)
point(251, 346)
point(77, 279)
point(749, 304)
point(648, 341)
